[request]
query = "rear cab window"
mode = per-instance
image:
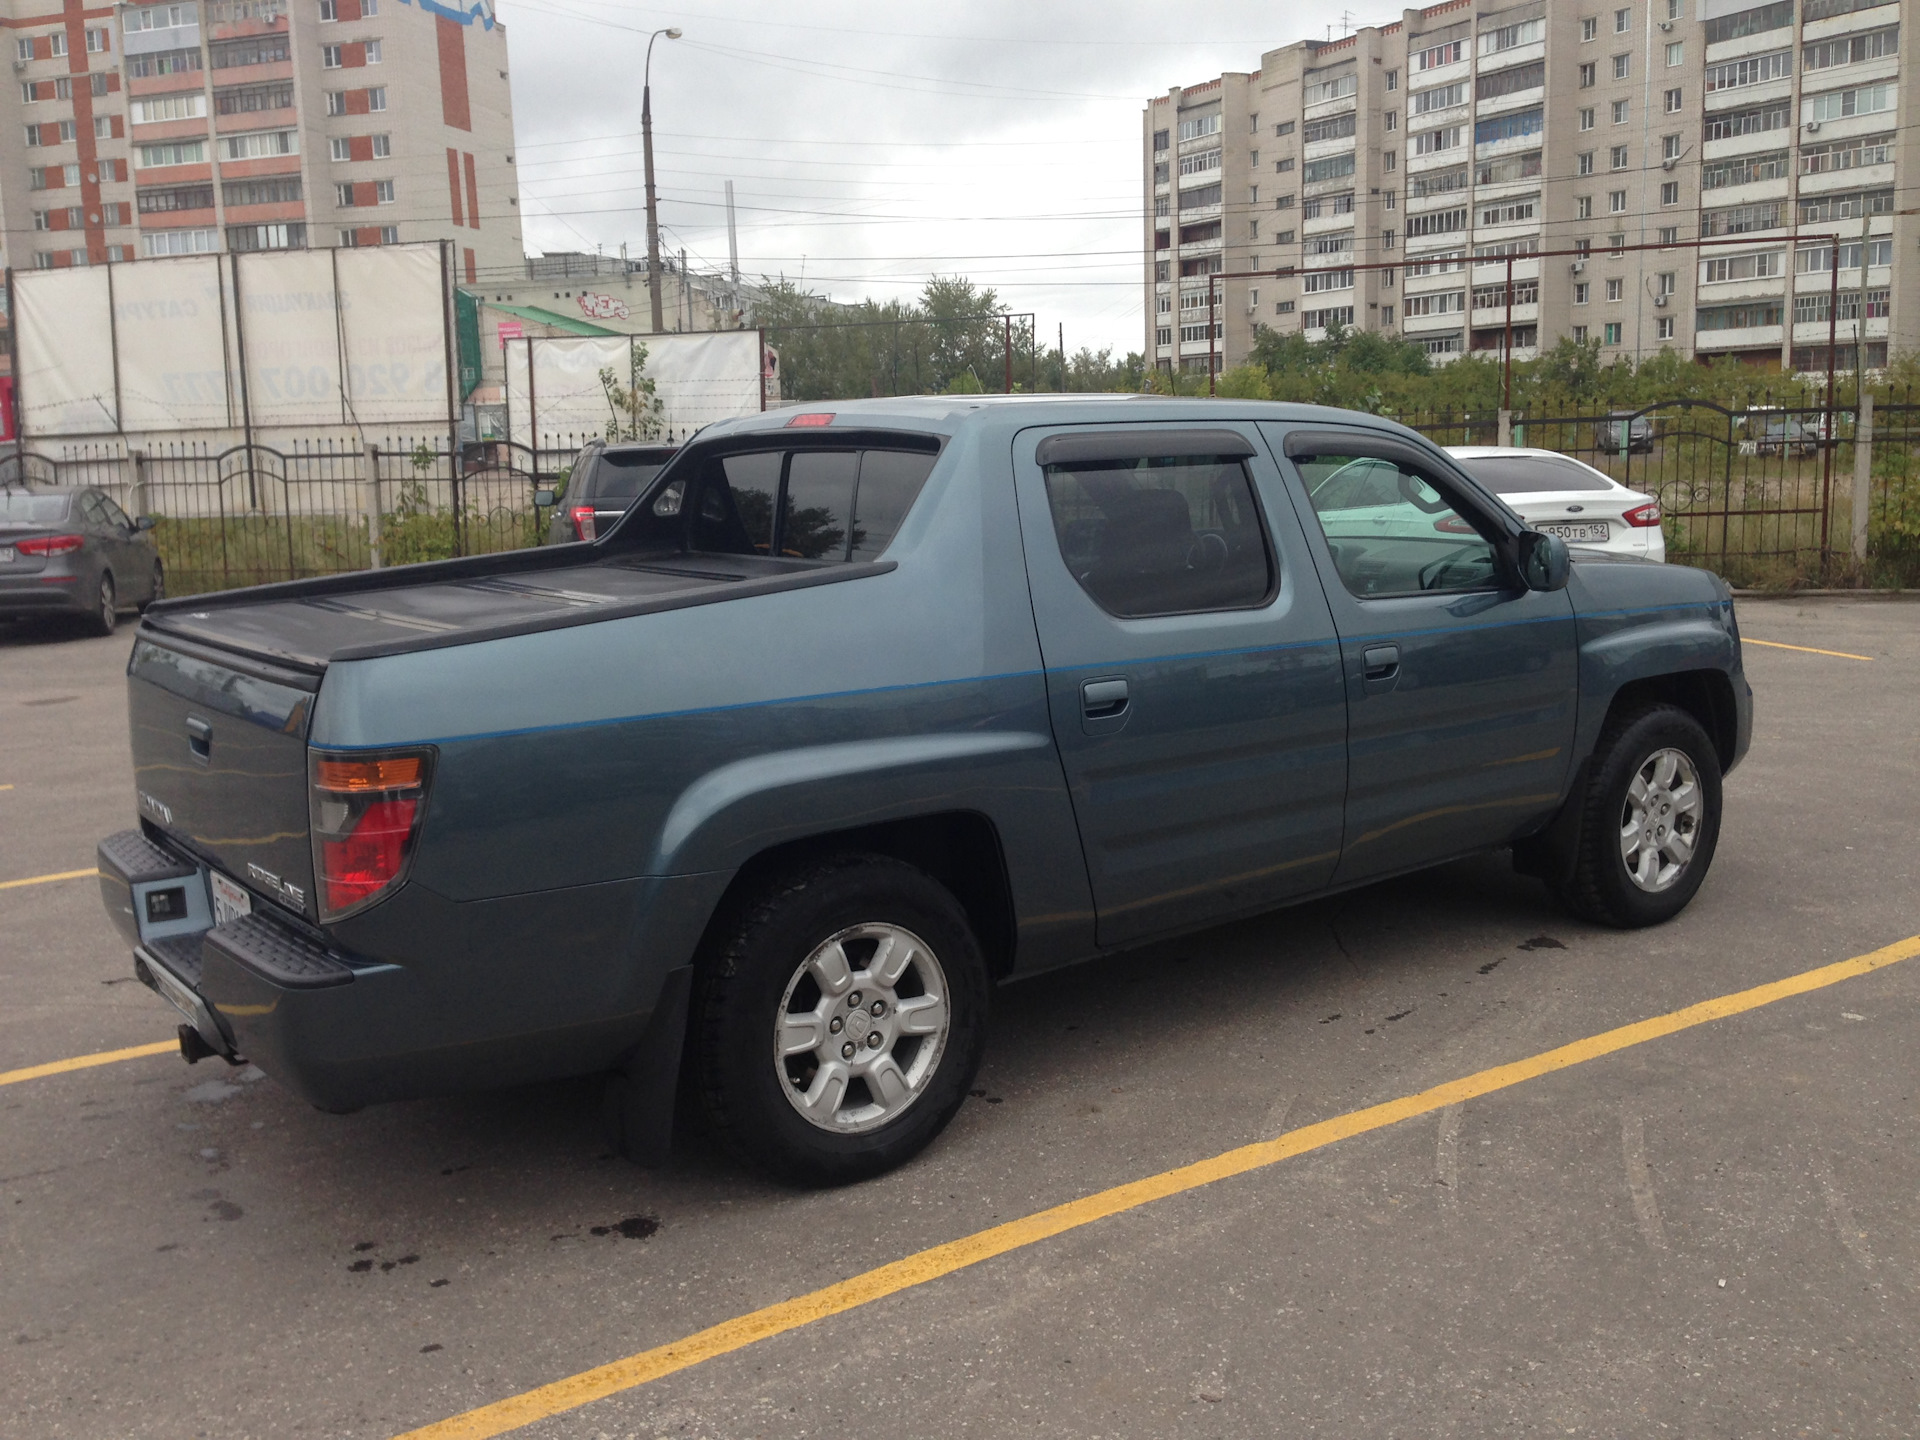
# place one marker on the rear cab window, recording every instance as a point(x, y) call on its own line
point(814, 503)
point(623, 474)
point(1531, 474)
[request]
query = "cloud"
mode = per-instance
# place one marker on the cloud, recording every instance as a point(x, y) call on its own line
point(872, 146)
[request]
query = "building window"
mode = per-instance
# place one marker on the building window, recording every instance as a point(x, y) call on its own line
point(336, 102)
point(342, 149)
point(1663, 328)
point(1583, 207)
point(1669, 147)
point(1676, 9)
point(160, 17)
point(1616, 289)
point(1665, 282)
point(1285, 127)
point(1670, 193)
point(1393, 80)
point(329, 11)
point(1621, 20)
point(1393, 119)
point(251, 98)
point(1386, 314)
point(1583, 163)
point(1589, 75)
point(1387, 241)
point(372, 47)
point(1674, 102)
point(1160, 138)
point(330, 57)
point(1619, 112)
point(1676, 52)
point(1586, 118)
point(57, 44)
point(1589, 28)
point(97, 42)
point(1611, 333)
point(243, 238)
point(1617, 157)
point(270, 190)
point(1283, 307)
point(179, 152)
point(1161, 336)
point(1389, 159)
point(377, 98)
point(254, 50)
point(259, 144)
point(1582, 292)
point(1668, 235)
point(23, 50)
point(1622, 66)
point(180, 242)
point(1579, 334)
point(1281, 167)
point(1616, 202)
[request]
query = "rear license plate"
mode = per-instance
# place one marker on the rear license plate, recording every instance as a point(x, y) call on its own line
point(1575, 532)
point(230, 901)
point(6, 554)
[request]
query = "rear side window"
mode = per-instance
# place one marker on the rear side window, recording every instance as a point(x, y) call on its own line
point(800, 504)
point(1161, 534)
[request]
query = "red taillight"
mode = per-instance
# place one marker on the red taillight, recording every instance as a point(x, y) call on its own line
point(1454, 525)
point(1643, 517)
point(365, 812)
point(50, 544)
point(583, 522)
point(812, 420)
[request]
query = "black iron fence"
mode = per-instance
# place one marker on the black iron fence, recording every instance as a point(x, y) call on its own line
point(1771, 496)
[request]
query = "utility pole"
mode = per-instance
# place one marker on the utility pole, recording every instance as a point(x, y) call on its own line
point(1063, 355)
point(733, 239)
point(1860, 317)
point(646, 143)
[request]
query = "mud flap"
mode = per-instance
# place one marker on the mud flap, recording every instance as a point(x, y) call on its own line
point(638, 1108)
point(1552, 853)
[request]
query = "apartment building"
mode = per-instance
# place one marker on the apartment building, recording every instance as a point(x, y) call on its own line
point(208, 126)
point(1466, 142)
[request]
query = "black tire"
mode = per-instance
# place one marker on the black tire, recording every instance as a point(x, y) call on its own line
point(743, 985)
point(1602, 889)
point(159, 587)
point(106, 612)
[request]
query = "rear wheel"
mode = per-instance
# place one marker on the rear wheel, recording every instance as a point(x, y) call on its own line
point(840, 1020)
point(1650, 820)
point(106, 607)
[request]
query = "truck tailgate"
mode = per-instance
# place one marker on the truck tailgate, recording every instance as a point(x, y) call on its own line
point(220, 762)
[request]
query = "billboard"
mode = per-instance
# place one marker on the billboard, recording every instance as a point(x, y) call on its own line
point(554, 391)
point(268, 339)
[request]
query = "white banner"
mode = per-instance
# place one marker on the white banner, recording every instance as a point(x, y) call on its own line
point(391, 309)
point(64, 325)
point(699, 378)
point(170, 328)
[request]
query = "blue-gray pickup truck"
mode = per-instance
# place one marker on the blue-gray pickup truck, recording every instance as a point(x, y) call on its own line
point(751, 802)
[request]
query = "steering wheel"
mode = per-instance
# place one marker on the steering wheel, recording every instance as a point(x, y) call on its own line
point(1434, 571)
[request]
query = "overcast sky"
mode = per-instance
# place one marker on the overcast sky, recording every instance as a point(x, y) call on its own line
point(873, 145)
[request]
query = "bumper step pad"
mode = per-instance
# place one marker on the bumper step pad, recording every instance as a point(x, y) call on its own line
point(138, 860)
point(180, 954)
point(285, 958)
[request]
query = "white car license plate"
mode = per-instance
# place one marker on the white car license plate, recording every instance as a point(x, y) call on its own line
point(230, 901)
point(6, 554)
point(1570, 533)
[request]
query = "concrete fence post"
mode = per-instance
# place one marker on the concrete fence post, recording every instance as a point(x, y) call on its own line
point(1506, 428)
point(1862, 474)
point(370, 498)
point(137, 491)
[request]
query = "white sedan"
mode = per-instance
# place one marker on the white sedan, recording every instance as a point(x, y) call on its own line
point(1562, 496)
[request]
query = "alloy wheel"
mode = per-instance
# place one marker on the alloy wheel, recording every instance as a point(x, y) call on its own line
point(1660, 822)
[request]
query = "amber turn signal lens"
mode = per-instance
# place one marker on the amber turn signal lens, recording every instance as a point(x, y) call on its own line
point(354, 776)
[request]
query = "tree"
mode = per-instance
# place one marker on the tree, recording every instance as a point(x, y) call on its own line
point(636, 401)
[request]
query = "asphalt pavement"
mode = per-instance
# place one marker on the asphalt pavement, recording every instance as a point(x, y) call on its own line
point(1713, 1232)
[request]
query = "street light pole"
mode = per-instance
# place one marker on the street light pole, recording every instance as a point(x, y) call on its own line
point(646, 141)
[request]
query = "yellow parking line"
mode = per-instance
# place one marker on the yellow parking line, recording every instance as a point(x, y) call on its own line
point(87, 1062)
point(43, 879)
point(6, 787)
point(1803, 649)
point(927, 1265)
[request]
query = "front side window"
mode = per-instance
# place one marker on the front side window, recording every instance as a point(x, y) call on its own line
point(1164, 534)
point(1393, 530)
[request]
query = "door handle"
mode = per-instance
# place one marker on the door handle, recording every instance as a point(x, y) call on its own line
point(1103, 699)
point(1381, 662)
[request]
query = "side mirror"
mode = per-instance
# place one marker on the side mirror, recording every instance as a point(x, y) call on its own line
point(1544, 561)
point(543, 499)
point(144, 522)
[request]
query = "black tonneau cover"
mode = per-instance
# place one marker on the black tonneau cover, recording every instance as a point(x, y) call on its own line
point(308, 623)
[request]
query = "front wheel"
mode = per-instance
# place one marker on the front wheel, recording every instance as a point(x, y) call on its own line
point(159, 587)
point(1649, 822)
point(840, 1020)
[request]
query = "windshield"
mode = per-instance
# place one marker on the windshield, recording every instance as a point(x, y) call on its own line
point(623, 474)
point(1530, 474)
point(33, 509)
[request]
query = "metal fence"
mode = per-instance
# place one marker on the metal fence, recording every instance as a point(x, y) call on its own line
point(1772, 496)
point(1768, 496)
point(249, 514)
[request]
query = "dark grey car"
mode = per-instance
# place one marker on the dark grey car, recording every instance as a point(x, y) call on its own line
point(74, 552)
point(602, 484)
